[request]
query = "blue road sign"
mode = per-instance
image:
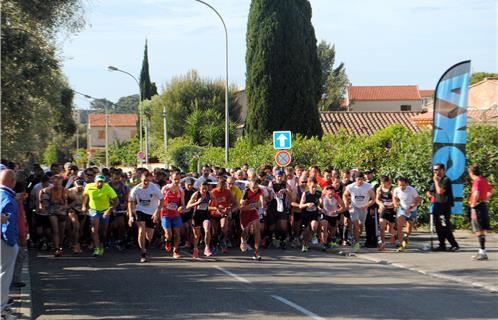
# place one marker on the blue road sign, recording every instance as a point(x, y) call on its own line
point(282, 139)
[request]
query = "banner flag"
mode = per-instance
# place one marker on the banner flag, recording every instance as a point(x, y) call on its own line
point(449, 134)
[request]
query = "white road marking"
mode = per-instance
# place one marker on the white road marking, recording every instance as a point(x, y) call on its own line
point(232, 274)
point(298, 308)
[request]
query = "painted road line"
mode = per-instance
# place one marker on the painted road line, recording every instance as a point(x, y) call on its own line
point(232, 274)
point(298, 308)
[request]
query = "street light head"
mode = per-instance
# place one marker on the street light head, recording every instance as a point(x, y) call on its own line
point(112, 68)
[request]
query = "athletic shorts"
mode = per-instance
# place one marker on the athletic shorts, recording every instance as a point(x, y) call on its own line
point(297, 216)
point(358, 215)
point(411, 217)
point(95, 214)
point(481, 220)
point(331, 220)
point(200, 217)
point(248, 216)
point(78, 212)
point(147, 218)
point(186, 216)
point(282, 215)
point(171, 222)
point(56, 210)
point(389, 215)
point(308, 216)
point(42, 221)
point(346, 214)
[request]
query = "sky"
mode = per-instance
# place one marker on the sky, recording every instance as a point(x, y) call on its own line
point(381, 42)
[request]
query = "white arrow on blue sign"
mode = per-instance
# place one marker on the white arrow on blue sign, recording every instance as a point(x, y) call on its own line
point(282, 139)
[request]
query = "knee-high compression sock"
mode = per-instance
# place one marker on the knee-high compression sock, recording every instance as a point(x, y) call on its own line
point(482, 241)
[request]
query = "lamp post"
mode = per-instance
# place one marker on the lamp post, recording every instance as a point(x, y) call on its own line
point(113, 68)
point(165, 116)
point(227, 135)
point(106, 127)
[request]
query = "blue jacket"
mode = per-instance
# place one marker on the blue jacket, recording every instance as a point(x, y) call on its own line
point(8, 205)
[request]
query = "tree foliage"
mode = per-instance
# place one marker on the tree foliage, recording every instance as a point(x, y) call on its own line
point(182, 96)
point(283, 71)
point(126, 104)
point(147, 90)
point(479, 76)
point(334, 81)
point(36, 101)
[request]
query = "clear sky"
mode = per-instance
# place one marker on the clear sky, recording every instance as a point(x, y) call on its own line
point(382, 42)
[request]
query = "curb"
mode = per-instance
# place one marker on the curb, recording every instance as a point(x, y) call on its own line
point(26, 303)
point(491, 289)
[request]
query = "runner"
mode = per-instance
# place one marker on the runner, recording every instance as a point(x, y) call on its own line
point(76, 216)
point(310, 201)
point(199, 203)
point(99, 198)
point(357, 198)
point(346, 226)
point(332, 206)
point(171, 221)
point(186, 233)
point(117, 221)
point(296, 211)
point(252, 200)
point(406, 201)
point(479, 215)
point(206, 171)
point(234, 230)
point(384, 199)
point(224, 203)
point(143, 207)
point(53, 200)
point(40, 217)
point(277, 215)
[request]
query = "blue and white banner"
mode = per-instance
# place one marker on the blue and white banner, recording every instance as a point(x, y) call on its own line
point(450, 127)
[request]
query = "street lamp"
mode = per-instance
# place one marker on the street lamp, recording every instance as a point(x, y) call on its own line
point(106, 127)
point(227, 137)
point(113, 68)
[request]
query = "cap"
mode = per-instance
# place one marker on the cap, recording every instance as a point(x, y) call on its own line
point(279, 173)
point(189, 180)
point(80, 183)
point(100, 178)
point(81, 173)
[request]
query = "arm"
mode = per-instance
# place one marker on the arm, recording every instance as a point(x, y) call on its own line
point(346, 197)
point(372, 199)
point(415, 203)
point(84, 202)
point(342, 206)
point(194, 201)
point(395, 201)
point(41, 205)
point(439, 189)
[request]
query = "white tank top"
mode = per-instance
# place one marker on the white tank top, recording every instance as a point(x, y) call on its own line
point(330, 206)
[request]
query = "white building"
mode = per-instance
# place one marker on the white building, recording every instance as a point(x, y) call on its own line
point(383, 98)
point(121, 127)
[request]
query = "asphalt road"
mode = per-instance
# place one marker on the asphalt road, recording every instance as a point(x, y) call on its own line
point(285, 285)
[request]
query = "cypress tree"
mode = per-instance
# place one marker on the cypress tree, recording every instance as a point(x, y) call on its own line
point(146, 89)
point(283, 71)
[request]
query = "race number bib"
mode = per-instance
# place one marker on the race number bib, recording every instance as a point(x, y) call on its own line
point(203, 206)
point(171, 206)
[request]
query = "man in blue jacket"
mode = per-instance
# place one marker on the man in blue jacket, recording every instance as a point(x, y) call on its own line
point(9, 218)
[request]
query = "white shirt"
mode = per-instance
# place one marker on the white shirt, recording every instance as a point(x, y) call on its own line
point(35, 192)
point(146, 198)
point(406, 197)
point(359, 195)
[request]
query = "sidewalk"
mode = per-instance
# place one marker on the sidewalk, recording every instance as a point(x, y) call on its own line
point(22, 296)
point(452, 266)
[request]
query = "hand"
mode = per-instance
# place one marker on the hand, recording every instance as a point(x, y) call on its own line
point(310, 205)
point(130, 221)
point(5, 218)
point(180, 209)
point(435, 176)
point(83, 209)
point(155, 218)
point(106, 213)
point(381, 208)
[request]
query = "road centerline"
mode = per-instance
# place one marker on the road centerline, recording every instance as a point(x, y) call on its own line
point(298, 307)
point(225, 271)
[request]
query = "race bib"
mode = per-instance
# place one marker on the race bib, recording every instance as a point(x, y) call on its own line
point(144, 202)
point(203, 206)
point(171, 206)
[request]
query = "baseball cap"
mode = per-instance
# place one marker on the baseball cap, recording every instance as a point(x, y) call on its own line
point(279, 173)
point(80, 183)
point(2, 167)
point(100, 178)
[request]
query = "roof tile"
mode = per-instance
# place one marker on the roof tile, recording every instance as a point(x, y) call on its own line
point(383, 93)
point(115, 120)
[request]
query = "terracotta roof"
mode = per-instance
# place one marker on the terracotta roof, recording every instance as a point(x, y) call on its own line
point(383, 93)
point(426, 93)
point(115, 120)
point(364, 123)
point(474, 115)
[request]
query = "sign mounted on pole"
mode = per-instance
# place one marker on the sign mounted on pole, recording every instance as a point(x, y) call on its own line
point(283, 158)
point(282, 139)
point(141, 155)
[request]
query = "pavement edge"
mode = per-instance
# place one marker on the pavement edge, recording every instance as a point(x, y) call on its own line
point(26, 306)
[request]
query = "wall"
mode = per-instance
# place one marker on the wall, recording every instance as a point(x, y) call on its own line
point(385, 105)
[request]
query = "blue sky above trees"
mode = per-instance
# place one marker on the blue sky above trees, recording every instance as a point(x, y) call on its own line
point(381, 42)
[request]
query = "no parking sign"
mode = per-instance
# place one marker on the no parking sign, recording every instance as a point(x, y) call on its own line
point(283, 158)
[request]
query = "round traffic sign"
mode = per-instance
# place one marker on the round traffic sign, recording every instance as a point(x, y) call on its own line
point(283, 158)
point(77, 156)
point(141, 155)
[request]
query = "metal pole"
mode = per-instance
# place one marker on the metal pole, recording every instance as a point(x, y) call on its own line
point(106, 137)
point(227, 134)
point(147, 141)
point(78, 129)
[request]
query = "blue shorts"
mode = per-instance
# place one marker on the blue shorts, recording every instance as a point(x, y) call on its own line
point(95, 214)
point(411, 217)
point(175, 222)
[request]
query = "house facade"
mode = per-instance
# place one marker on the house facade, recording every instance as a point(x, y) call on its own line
point(121, 127)
point(383, 98)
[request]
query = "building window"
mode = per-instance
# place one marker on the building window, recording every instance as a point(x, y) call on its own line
point(101, 134)
point(406, 107)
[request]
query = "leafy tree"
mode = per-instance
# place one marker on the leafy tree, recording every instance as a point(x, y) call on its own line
point(283, 71)
point(479, 76)
point(334, 80)
point(127, 104)
point(183, 95)
point(207, 128)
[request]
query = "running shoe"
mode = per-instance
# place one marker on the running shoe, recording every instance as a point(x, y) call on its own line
point(314, 240)
point(356, 247)
point(480, 257)
point(256, 255)
point(400, 249)
point(143, 258)
point(167, 246)
point(96, 252)
point(243, 246)
point(304, 248)
point(195, 254)
point(58, 253)
point(176, 255)
point(208, 252)
point(101, 251)
point(382, 246)
point(404, 244)
point(454, 248)
point(332, 244)
point(283, 244)
point(324, 247)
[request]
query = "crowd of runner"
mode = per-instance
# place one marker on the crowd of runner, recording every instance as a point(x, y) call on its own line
point(220, 210)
